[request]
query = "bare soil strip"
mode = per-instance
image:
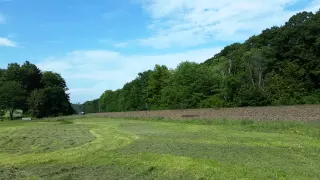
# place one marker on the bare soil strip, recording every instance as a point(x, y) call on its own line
point(298, 113)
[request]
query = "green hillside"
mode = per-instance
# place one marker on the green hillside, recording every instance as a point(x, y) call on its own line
point(280, 66)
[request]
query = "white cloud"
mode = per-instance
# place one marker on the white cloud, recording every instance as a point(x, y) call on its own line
point(7, 43)
point(191, 22)
point(90, 73)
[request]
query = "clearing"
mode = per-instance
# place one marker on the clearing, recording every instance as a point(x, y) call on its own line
point(102, 148)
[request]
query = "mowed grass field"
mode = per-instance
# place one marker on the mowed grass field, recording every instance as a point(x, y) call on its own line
point(101, 148)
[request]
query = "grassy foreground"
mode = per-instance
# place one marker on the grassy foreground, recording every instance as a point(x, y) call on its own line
point(97, 148)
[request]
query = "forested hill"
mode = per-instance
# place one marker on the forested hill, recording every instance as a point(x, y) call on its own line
point(39, 94)
point(281, 66)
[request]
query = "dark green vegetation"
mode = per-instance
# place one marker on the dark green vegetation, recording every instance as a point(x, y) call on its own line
point(96, 148)
point(281, 66)
point(25, 87)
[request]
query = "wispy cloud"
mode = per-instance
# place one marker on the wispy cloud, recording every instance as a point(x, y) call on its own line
point(112, 15)
point(117, 44)
point(103, 69)
point(191, 23)
point(7, 43)
point(12, 35)
point(313, 6)
point(52, 42)
point(2, 19)
point(121, 44)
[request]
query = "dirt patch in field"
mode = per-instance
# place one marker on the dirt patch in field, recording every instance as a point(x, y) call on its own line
point(300, 113)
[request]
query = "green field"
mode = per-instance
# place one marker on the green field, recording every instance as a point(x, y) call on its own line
point(97, 148)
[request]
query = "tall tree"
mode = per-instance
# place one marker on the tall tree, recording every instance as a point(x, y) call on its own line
point(158, 80)
point(12, 97)
point(190, 84)
point(37, 103)
point(51, 79)
point(48, 102)
point(52, 100)
point(13, 73)
point(31, 76)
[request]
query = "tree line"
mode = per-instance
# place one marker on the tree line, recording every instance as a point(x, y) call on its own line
point(281, 66)
point(39, 94)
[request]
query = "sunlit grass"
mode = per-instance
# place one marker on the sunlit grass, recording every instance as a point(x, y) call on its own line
point(135, 149)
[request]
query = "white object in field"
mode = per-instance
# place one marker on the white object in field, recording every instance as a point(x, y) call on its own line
point(26, 119)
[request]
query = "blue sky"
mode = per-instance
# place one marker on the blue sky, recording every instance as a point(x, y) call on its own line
point(102, 44)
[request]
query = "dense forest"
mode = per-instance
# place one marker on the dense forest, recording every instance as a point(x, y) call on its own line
point(39, 94)
point(281, 66)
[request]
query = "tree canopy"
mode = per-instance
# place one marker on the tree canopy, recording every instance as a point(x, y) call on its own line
point(12, 97)
point(25, 87)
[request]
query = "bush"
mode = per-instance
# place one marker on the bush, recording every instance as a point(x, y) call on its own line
point(312, 99)
point(212, 102)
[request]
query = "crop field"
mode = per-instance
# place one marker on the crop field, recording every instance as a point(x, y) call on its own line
point(102, 148)
point(272, 113)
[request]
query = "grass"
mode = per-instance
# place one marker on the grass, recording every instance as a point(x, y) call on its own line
point(43, 138)
point(100, 148)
